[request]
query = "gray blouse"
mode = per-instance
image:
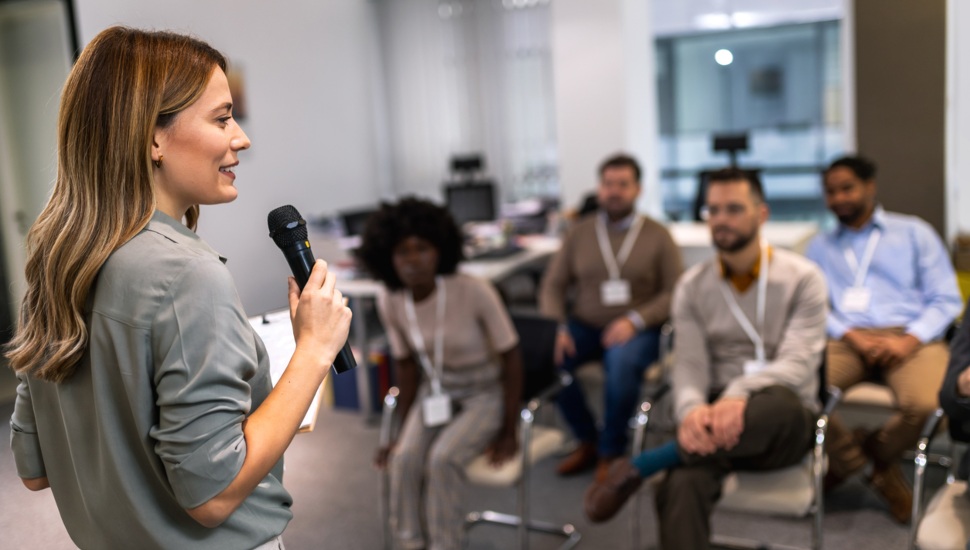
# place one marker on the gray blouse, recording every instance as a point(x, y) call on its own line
point(151, 421)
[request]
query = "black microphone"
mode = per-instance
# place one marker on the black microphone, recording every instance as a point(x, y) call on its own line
point(288, 230)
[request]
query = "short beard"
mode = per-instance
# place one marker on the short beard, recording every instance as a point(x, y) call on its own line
point(741, 242)
point(853, 216)
point(620, 213)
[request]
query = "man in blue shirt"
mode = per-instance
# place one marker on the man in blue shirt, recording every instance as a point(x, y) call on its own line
point(893, 293)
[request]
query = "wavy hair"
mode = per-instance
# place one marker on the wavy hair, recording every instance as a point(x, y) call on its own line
point(126, 84)
point(411, 217)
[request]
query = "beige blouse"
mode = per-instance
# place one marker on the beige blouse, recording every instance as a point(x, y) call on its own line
point(477, 328)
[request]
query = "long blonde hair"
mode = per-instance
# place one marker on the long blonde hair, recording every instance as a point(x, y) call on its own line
point(126, 83)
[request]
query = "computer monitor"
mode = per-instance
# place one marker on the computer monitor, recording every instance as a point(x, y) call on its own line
point(471, 202)
point(356, 220)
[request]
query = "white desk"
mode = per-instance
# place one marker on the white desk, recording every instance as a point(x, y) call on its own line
point(536, 251)
point(694, 238)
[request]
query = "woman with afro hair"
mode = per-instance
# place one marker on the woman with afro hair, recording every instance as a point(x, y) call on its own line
point(458, 362)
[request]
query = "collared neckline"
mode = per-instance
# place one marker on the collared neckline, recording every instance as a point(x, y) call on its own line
point(621, 225)
point(175, 231)
point(878, 219)
point(743, 281)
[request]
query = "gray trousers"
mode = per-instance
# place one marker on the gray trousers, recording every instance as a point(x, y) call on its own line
point(777, 433)
point(434, 460)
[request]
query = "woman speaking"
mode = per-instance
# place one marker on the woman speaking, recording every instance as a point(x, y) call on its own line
point(145, 401)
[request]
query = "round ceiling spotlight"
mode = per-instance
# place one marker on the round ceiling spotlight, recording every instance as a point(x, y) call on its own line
point(723, 57)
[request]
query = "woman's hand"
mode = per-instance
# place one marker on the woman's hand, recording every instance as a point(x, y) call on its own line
point(382, 457)
point(502, 448)
point(320, 316)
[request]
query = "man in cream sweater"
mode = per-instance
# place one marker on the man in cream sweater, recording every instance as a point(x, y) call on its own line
point(749, 332)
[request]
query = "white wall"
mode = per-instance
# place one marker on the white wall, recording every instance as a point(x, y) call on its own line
point(309, 75)
point(605, 92)
point(34, 60)
point(957, 119)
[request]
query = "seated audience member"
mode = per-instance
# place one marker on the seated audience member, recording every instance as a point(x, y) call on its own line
point(457, 355)
point(955, 393)
point(749, 332)
point(893, 293)
point(620, 268)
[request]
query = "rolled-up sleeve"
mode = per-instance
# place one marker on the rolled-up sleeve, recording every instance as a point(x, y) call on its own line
point(204, 353)
point(23, 435)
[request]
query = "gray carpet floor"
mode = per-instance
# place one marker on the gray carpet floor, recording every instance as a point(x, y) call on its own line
point(335, 493)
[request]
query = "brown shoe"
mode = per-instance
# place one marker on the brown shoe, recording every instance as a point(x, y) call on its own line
point(851, 459)
point(578, 461)
point(889, 482)
point(603, 468)
point(604, 499)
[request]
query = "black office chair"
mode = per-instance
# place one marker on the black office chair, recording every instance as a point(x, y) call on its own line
point(541, 382)
point(794, 491)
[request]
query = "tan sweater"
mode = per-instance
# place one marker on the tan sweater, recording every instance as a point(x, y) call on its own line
point(652, 269)
point(710, 346)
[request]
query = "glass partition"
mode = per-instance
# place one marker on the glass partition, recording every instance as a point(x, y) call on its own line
point(780, 85)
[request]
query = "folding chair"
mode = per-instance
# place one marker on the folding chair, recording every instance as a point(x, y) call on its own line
point(945, 523)
point(795, 491)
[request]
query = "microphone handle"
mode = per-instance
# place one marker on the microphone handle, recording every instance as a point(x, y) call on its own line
point(300, 258)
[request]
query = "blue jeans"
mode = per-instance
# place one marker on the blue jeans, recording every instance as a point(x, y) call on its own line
point(623, 367)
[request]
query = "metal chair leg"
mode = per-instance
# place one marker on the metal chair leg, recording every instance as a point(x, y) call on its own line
point(920, 462)
point(387, 418)
point(523, 523)
point(639, 432)
point(818, 467)
point(525, 432)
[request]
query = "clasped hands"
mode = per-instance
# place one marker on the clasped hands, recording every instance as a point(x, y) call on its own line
point(708, 428)
point(881, 350)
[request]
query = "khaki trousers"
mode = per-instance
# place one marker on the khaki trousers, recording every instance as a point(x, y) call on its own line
point(915, 382)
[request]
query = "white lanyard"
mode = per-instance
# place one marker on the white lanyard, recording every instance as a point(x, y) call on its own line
point(754, 335)
point(433, 372)
point(862, 270)
point(614, 263)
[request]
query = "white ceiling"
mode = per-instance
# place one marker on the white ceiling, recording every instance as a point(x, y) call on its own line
point(690, 16)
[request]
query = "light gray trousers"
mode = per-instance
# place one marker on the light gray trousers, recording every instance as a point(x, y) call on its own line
point(434, 459)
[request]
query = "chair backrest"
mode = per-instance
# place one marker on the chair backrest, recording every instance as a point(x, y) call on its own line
point(537, 342)
point(823, 379)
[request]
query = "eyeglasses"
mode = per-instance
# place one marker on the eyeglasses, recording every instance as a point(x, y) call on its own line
point(731, 210)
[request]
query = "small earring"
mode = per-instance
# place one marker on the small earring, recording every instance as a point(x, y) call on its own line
point(158, 163)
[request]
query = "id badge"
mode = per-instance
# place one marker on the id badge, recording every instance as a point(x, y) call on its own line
point(753, 366)
point(436, 409)
point(615, 292)
point(856, 300)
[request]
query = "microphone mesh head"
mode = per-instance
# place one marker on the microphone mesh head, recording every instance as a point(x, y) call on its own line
point(286, 226)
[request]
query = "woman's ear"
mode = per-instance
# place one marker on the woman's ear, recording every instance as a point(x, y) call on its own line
point(158, 140)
